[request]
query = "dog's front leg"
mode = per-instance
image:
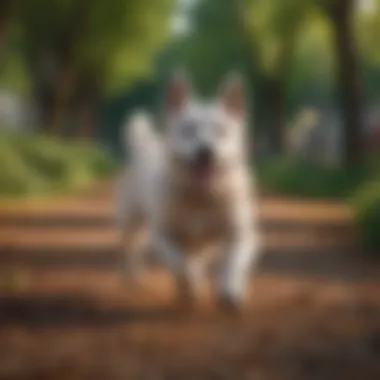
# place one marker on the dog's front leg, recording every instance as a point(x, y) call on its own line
point(187, 269)
point(242, 252)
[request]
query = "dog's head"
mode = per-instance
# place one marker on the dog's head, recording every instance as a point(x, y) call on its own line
point(205, 140)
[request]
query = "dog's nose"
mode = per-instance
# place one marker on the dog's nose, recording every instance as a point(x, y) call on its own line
point(204, 155)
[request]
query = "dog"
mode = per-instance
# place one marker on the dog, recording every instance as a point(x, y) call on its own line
point(189, 193)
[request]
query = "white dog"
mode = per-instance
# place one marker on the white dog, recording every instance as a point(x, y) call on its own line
point(189, 194)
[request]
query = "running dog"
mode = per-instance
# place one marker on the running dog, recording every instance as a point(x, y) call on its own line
point(189, 193)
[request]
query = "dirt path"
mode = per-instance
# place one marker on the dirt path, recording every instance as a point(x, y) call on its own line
point(65, 312)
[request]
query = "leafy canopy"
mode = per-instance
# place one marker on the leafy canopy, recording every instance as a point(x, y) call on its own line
point(112, 40)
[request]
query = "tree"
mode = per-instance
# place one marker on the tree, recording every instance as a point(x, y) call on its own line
point(342, 15)
point(272, 28)
point(213, 46)
point(368, 32)
point(78, 50)
point(5, 17)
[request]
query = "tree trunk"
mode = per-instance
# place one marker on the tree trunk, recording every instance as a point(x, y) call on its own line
point(67, 79)
point(53, 70)
point(87, 98)
point(53, 87)
point(61, 97)
point(86, 120)
point(271, 113)
point(5, 16)
point(349, 79)
point(279, 116)
point(43, 89)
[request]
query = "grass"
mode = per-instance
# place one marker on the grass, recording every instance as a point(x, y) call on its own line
point(35, 164)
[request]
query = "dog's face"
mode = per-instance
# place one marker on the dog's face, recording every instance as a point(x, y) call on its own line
point(205, 140)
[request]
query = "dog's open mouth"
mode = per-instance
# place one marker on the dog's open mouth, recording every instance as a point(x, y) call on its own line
point(202, 173)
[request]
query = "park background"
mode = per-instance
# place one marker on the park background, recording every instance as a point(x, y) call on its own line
point(70, 73)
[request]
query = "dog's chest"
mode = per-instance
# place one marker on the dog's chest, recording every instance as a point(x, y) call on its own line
point(194, 223)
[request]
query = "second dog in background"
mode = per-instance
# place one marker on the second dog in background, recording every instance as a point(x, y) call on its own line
point(189, 193)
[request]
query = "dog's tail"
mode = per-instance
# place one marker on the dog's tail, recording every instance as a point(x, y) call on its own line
point(139, 135)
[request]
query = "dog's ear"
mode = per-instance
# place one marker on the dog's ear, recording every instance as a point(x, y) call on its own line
point(232, 95)
point(177, 93)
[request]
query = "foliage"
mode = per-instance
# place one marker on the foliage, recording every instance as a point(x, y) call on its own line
point(368, 33)
point(311, 78)
point(37, 164)
point(111, 40)
point(291, 40)
point(290, 177)
point(251, 36)
point(273, 27)
point(214, 45)
point(111, 44)
point(266, 40)
point(13, 74)
point(366, 206)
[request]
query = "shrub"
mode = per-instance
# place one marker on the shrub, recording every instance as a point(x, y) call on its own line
point(360, 185)
point(17, 177)
point(98, 158)
point(366, 207)
point(290, 177)
point(33, 164)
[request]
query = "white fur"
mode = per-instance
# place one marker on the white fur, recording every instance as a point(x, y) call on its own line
point(153, 182)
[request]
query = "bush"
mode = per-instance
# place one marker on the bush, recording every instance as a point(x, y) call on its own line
point(290, 177)
point(99, 160)
point(32, 164)
point(360, 185)
point(366, 207)
point(17, 177)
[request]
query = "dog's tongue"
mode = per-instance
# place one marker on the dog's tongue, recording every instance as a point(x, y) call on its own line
point(202, 173)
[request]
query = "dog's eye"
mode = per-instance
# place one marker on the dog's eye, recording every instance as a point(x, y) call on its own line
point(188, 130)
